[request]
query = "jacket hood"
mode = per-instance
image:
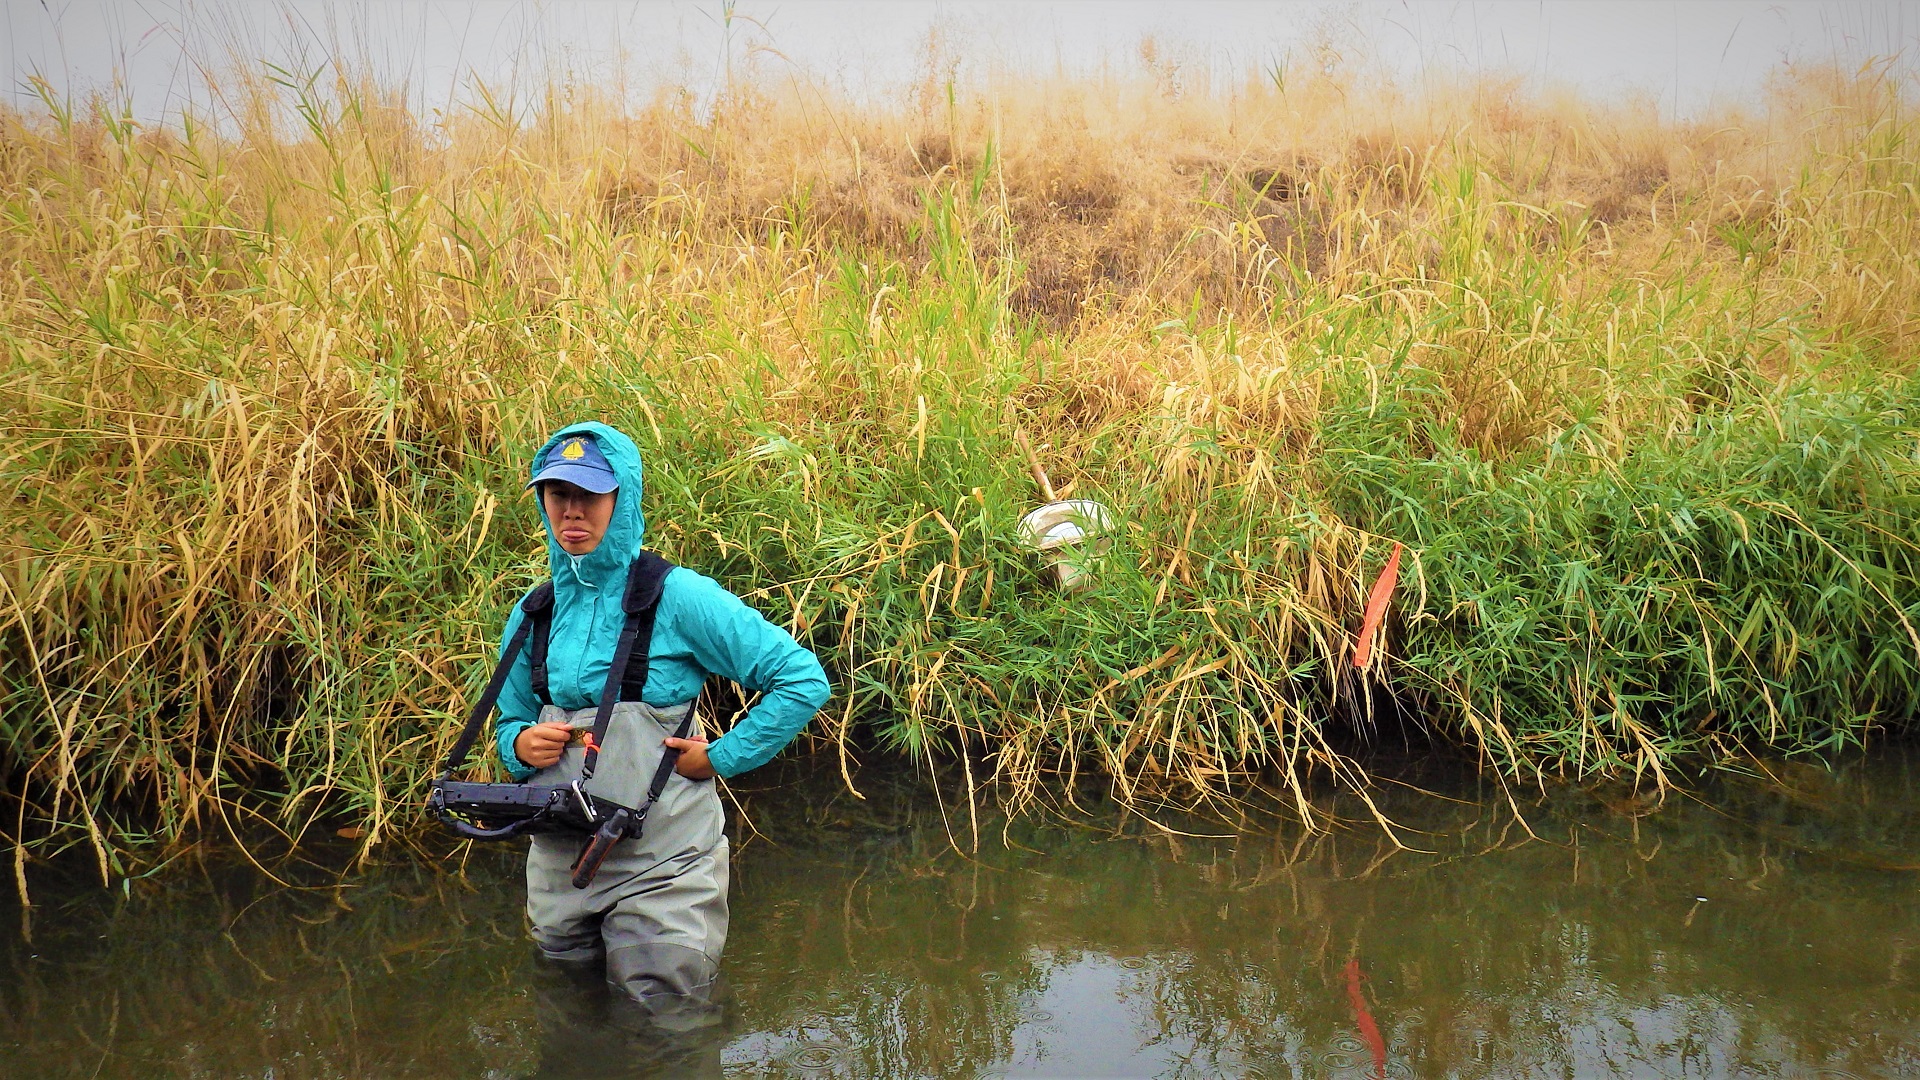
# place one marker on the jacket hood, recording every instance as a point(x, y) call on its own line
point(607, 564)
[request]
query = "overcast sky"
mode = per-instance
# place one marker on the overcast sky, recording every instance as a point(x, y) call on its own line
point(1688, 55)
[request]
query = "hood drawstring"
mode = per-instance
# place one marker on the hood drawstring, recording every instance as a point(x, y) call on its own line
point(574, 561)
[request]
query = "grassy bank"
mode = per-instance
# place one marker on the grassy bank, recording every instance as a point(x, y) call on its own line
point(1637, 398)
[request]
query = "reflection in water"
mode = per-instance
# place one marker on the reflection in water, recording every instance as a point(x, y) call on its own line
point(587, 1033)
point(1363, 1019)
point(1763, 928)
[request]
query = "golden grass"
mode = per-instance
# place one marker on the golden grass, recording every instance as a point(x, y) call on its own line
point(269, 379)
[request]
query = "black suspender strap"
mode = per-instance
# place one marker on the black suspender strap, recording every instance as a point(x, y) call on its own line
point(483, 708)
point(646, 582)
point(540, 611)
point(646, 579)
point(667, 761)
point(622, 652)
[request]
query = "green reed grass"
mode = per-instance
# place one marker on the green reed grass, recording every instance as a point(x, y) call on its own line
point(1637, 398)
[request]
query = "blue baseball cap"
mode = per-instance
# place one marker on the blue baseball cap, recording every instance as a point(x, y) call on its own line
point(578, 461)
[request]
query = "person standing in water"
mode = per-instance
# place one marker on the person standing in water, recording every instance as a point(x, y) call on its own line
point(655, 915)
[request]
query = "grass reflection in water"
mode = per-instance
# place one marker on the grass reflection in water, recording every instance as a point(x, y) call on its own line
point(1762, 928)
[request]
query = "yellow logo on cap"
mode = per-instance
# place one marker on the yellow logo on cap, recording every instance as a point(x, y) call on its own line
point(574, 451)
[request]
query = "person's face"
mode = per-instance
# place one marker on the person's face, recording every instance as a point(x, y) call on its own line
point(579, 517)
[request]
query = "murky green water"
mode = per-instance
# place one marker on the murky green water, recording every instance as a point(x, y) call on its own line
point(1763, 929)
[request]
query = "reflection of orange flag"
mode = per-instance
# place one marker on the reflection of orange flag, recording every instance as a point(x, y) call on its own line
point(1369, 1031)
point(1377, 607)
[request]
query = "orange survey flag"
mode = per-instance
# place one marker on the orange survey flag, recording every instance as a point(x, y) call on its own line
point(1377, 607)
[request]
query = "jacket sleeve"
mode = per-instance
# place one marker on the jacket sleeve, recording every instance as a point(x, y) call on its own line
point(730, 639)
point(518, 709)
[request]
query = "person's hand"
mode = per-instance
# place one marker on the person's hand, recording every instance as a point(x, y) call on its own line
point(540, 745)
point(693, 763)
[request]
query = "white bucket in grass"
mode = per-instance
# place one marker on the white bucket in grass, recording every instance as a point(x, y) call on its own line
point(1069, 535)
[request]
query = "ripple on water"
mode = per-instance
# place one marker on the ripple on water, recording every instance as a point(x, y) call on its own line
point(1349, 1056)
point(816, 1056)
point(1133, 963)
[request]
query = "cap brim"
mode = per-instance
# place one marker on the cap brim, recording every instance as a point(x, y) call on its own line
point(598, 481)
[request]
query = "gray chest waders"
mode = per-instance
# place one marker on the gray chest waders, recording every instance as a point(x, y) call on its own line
point(481, 811)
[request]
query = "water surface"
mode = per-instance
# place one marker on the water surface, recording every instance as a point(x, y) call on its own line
point(1765, 926)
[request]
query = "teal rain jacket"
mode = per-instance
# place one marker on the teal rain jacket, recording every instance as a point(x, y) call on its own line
point(701, 629)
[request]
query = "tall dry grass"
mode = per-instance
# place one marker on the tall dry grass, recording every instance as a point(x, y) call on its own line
point(1636, 395)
